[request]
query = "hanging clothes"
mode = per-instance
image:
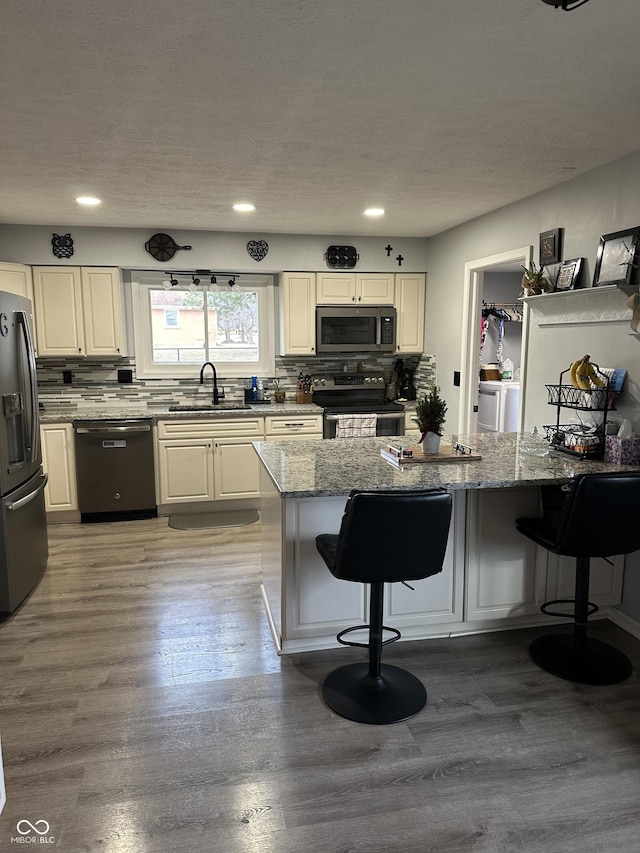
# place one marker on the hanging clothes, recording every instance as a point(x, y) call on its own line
point(484, 326)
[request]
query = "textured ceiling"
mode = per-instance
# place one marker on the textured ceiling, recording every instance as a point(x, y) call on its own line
point(437, 111)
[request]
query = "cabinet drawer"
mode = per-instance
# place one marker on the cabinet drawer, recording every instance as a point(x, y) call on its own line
point(241, 427)
point(207, 428)
point(282, 426)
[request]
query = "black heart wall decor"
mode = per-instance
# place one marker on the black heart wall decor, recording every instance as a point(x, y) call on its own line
point(62, 245)
point(258, 249)
point(162, 247)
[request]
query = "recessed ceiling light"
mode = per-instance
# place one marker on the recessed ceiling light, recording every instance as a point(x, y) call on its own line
point(374, 211)
point(244, 208)
point(89, 200)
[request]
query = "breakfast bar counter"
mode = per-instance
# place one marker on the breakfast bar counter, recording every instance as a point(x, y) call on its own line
point(493, 577)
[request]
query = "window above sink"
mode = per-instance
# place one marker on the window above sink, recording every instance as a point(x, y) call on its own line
point(177, 329)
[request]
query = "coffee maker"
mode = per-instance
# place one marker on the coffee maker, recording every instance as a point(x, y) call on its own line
point(404, 383)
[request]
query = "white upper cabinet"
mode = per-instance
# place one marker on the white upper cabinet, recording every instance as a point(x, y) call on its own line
point(348, 288)
point(102, 310)
point(298, 313)
point(78, 311)
point(409, 304)
point(17, 279)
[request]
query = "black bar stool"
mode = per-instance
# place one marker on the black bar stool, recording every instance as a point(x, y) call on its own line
point(385, 537)
point(597, 518)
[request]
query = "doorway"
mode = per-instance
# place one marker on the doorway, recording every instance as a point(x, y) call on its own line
point(474, 271)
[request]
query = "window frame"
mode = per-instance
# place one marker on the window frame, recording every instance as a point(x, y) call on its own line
point(142, 283)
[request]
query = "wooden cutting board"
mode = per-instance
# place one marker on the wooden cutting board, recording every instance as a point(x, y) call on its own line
point(445, 454)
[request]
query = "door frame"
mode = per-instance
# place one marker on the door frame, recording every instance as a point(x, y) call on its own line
point(471, 313)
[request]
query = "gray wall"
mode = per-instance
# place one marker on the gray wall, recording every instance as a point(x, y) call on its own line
point(599, 202)
point(124, 247)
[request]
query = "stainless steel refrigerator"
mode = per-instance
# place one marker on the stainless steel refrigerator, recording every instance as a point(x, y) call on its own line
point(23, 527)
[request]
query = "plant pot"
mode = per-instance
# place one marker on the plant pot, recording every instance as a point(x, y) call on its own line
point(280, 396)
point(431, 443)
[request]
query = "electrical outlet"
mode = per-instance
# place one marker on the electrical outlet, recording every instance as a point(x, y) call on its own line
point(67, 377)
point(456, 378)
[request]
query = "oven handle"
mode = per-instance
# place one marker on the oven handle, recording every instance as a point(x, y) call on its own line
point(382, 417)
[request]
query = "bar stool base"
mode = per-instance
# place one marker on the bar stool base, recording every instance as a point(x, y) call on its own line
point(395, 696)
point(586, 661)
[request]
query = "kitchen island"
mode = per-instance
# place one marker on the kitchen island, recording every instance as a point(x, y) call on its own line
point(493, 577)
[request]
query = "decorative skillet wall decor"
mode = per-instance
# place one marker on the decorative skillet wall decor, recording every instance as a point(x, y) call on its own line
point(258, 249)
point(162, 247)
point(341, 257)
point(62, 245)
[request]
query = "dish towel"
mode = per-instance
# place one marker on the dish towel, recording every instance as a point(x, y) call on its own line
point(356, 426)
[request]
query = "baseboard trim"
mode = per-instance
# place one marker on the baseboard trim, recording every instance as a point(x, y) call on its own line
point(625, 622)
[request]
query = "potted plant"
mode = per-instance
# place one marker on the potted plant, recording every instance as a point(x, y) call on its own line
point(278, 392)
point(430, 416)
point(534, 281)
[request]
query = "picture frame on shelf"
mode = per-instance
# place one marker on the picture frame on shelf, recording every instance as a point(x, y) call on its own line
point(617, 258)
point(569, 275)
point(550, 247)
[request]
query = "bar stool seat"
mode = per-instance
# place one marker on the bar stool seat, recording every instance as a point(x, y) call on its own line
point(596, 517)
point(385, 537)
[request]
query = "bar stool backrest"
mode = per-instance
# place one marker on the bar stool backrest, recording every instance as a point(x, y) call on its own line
point(601, 516)
point(389, 536)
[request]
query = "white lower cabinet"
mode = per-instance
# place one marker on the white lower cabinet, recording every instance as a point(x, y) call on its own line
point(207, 460)
point(185, 470)
point(59, 462)
point(506, 572)
point(605, 580)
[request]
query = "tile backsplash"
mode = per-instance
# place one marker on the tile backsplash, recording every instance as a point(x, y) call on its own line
point(96, 381)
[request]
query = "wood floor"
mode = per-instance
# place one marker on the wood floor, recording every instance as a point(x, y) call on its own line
point(143, 710)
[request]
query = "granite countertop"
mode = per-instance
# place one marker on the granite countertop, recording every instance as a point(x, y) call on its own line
point(110, 411)
point(328, 468)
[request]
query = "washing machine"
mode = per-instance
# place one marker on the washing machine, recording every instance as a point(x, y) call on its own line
point(498, 406)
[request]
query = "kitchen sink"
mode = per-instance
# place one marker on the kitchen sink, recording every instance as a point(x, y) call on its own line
point(211, 407)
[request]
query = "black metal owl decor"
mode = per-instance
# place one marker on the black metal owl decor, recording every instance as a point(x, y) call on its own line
point(62, 245)
point(162, 247)
point(258, 249)
point(341, 257)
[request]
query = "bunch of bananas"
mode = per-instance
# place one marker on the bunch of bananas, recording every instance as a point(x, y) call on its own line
point(583, 375)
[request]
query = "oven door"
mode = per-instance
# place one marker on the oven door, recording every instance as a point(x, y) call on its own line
point(388, 423)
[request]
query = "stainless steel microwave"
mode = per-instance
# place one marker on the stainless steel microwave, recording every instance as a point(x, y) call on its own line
point(356, 328)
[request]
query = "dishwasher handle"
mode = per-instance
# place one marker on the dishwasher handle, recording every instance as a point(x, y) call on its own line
point(113, 429)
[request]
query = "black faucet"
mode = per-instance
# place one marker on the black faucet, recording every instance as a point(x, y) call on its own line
point(210, 364)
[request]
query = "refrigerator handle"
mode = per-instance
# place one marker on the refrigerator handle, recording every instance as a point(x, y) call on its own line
point(33, 384)
point(13, 505)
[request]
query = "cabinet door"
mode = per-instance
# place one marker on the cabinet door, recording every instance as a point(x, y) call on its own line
point(437, 599)
point(506, 572)
point(409, 303)
point(334, 288)
point(298, 314)
point(102, 311)
point(58, 315)
point(59, 462)
point(605, 580)
point(185, 470)
point(375, 288)
point(17, 279)
point(236, 469)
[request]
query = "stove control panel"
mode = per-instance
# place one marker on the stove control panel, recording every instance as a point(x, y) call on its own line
point(346, 381)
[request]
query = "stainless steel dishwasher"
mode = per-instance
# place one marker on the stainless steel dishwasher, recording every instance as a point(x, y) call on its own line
point(115, 469)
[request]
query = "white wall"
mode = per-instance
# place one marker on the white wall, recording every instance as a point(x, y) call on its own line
point(598, 202)
point(124, 247)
